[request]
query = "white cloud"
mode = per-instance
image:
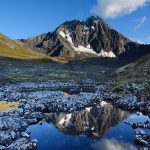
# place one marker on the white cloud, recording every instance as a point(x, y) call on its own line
point(148, 38)
point(137, 40)
point(115, 8)
point(112, 144)
point(140, 22)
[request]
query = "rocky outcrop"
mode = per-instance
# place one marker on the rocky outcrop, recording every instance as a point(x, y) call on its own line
point(71, 96)
point(13, 131)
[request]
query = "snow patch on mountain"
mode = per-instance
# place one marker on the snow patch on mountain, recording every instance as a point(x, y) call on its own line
point(66, 36)
point(83, 49)
point(86, 28)
point(62, 34)
point(87, 49)
point(107, 54)
point(88, 46)
point(92, 27)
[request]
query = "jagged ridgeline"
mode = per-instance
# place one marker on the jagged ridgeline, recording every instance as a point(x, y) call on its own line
point(90, 38)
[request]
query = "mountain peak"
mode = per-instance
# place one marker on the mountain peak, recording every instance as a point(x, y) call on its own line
point(88, 38)
point(88, 21)
point(94, 18)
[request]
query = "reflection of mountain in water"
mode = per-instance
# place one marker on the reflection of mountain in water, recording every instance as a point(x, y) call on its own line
point(92, 121)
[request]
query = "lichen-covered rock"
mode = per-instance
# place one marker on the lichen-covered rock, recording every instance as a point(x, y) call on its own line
point(23, 144)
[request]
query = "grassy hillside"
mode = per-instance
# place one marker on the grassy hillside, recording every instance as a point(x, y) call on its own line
point(137, 72)
point(12, 49)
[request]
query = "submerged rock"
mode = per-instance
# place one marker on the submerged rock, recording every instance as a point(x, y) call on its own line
point(143, 138)
point(145, 125)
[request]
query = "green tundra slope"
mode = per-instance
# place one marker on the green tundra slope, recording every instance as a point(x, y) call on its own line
point(12, 49)
point(134, 76)
point(137, 72)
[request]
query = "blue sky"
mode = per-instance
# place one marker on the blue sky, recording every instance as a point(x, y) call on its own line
point(27, 18)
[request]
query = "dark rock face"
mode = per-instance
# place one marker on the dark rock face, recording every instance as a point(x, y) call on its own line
point(92, 37)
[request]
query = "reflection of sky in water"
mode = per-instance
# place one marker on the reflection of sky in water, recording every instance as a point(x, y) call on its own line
point(124, 131)
point(50, 137)
point(120, 137)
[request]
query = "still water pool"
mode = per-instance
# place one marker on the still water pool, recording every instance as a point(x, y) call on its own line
point(100, 127)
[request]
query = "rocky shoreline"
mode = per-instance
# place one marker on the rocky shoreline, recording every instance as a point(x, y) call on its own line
point(13, 131)
point(70, 96)
point(54, 96)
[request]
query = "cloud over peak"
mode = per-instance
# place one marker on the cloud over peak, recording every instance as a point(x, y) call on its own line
point(148, 38)
point(115, 8)
point(140, 22)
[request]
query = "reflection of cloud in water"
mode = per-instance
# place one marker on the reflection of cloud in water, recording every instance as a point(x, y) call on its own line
point(112, 144)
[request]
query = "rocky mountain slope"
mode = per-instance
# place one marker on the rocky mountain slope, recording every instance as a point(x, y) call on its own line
point(12, 49)
point(89, 38)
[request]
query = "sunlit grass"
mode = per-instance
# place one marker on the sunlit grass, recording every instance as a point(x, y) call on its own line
point(11, 49)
